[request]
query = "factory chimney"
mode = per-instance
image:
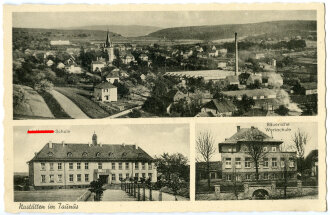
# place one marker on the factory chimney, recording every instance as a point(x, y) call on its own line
point(236, 55)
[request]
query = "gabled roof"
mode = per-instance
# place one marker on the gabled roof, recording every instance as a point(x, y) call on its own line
point(248, 135)
point(105, 85)
point(232, 78)
point(223, 106)
point(90, 152)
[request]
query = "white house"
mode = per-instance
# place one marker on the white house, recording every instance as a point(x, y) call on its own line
point(73, 69)
point(105, 92)
point(50, 63)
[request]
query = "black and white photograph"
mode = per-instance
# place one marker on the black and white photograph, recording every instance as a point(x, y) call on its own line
point(101, 163)
point(241, 161)
point(146, 64)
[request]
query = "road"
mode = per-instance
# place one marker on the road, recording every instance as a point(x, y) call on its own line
point(68, 106)
point(122, 113)
point(116, 195)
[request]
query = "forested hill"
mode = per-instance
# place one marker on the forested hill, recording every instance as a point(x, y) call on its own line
point(214, 32)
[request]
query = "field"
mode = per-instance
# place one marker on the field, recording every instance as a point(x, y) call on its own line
point(48, 195)
point(54, 106)
point(82, 99)
point(34, 105)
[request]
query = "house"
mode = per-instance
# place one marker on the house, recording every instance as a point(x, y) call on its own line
point(223, 52)
point(73, 69)
point(96, 66)
point(49, 63)
point(311, 163)
point(222, 65)
point(232, 80)
point(128, 59)
point(72, 165)
point(259, 56)
point(272, 79)
point(113, 76)
point(105, 92)
point(256, 94)
point(214, 170)
point(199, 49)
point(239, 165)
point(254, 79)
point(60, 65)
point(202, 55)
point(143, 77)
point(219, 108)
point(309, 88)
point(143, 57)
point(59, 42)
point(213, 53)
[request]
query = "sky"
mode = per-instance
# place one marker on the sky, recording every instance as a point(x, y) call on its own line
point(154, 139)
point(226, 130)
point(153, 18)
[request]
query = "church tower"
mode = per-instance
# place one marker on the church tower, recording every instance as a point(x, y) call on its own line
point(94, 139)
point(108, 47)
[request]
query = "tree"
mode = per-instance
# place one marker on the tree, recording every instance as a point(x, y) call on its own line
point(18, 97)
point(282, 110)
point(205, 149)
point(254, 148)
point(300, 140)
point(97, 188)
point(43, 86)
point(244, 105)
point(169, 164)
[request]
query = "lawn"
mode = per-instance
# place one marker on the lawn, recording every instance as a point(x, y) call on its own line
point(33, 107)
point(48, 195)
point(54, 106)
point(82, 99)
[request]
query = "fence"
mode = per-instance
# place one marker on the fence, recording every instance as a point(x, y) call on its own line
point(142, 191)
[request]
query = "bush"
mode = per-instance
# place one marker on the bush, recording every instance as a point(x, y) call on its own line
point(18, 98)
point(43, 86)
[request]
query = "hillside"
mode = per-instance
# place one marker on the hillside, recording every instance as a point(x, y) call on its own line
point(215, 32)
point(124, 30)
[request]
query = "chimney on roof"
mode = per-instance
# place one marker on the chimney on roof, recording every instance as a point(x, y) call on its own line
point(63, 143)
point(238, 128)
point(100, 144)
point(236, 55)
point(94, 139)
point(50, 144)
point(89, 144)
point(35, 154)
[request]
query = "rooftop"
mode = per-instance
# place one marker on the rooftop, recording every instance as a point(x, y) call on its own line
point(105, 85)
point(206, 74)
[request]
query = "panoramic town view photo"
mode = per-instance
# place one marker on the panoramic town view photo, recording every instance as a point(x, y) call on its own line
point(80, 65)
point(102, 163)
point(256, 161)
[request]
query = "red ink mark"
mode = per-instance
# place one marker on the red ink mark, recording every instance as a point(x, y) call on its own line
point(41, 132)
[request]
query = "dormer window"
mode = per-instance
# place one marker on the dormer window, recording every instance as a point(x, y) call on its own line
point(110, 154)
point(98, 154)
point(69, 154)
point(84, 154)
point(50, 154)
point(140, 155)
point(124, 154)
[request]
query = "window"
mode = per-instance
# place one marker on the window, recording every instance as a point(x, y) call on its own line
point(266, 164)
point(143, 175)
point(69, 154)
point(120, 166)
point(136, 165)
point(86, 177)
point(228, 177)
point(274, 162)
point(110, 154)
point(150, 166)
point(247, 162)
point(228, 163)
point(282, 162)
point(43, 179)
point(150, 175)
point(99, 165)
point(143, 166)
point(59, 177)
point(265, 149)
point(126, 165)
point(98, 154)
point(78, 165)
point(120, 177)
point(238, 163)
point(266, 175)
point(50, 154)
point(127, 175)
point(238, 178)
point(248, 177)
point(113, 165)
point(71, 177)
point(86, 165)
point(70, 165)
point(113, 177)
point(51, 166)
point(43, 166)
point(84, 154)
point(59, 166)
point(136, 175)
point(79, 177)
point(274, 149)
point(51, 178)
point(291, 163)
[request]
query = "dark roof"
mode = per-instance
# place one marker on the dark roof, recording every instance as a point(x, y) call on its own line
point(214, 166)
point(105, 85)
point(89, 152)
point(248, 135)
point(232, 78)
point(113, 74)
point(223, 106)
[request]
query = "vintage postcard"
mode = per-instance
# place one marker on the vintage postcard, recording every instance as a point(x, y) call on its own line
point(165, 108)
